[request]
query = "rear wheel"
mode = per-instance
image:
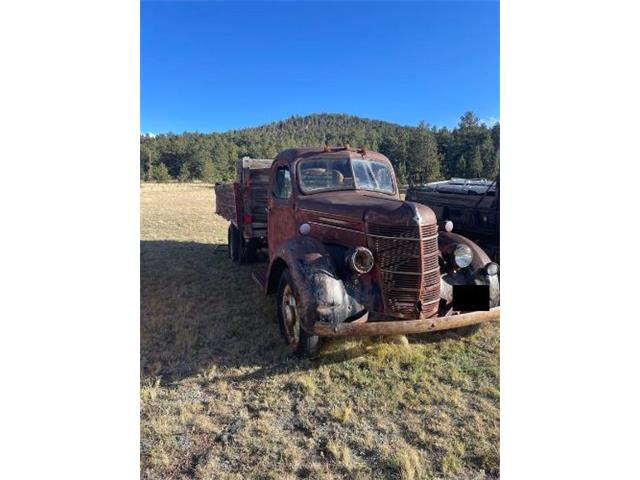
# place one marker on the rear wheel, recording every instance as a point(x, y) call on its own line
point(235, 244)
point(300, 341)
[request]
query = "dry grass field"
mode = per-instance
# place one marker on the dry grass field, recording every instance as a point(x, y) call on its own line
point(221, 398)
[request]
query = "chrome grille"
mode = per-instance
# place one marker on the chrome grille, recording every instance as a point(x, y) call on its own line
point(407, 258)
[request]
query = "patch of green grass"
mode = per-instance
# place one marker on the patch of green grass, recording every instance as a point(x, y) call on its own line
point(408, 463)
point(303, 384)
point(222, 397)
point(341, 414)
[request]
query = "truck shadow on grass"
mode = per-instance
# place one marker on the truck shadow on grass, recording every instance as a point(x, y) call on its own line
point(199, 310)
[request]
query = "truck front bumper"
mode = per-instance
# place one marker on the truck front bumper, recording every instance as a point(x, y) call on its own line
point(362, 327)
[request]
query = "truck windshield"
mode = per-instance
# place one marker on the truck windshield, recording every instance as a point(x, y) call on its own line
point(318, 174)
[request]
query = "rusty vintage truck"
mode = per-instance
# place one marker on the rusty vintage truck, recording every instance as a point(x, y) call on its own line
point(345, 255)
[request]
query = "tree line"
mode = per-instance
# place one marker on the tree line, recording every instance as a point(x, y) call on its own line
point(419, 154)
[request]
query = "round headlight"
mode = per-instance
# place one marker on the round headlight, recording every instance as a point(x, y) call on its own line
point(360, 260)
point(448, 225)
point(462, 256)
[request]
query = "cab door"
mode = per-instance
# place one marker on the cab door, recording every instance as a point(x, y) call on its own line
point(280, 218)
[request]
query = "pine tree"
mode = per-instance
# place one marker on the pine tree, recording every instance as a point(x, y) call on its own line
point(207, 173)
point(476, 163)
point(461, 167)
point(423, 158)
point(448, 160)
point(160, 173)
point(196, 158)
point(149, 167)
point(184, 174)
point(488, 158)
point(401, 173)
point(495, 136)
point(145, 163)
point(469, 120)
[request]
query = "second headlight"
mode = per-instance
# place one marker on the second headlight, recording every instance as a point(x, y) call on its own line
point(462, 256)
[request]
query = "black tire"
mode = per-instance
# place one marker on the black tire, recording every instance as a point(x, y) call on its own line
point(249, 251)
point(235, 244)
point(304, 344)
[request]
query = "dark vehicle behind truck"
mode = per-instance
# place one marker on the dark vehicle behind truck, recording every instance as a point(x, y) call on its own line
point(346, 256)
point(473, 205)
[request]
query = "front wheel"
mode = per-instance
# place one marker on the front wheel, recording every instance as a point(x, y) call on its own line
point(302, 343)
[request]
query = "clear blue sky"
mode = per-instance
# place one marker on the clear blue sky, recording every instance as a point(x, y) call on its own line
point(215, 66)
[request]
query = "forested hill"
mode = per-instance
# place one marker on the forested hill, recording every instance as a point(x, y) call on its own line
point(418, 153)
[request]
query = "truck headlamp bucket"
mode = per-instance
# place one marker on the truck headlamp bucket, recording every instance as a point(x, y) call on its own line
point(462, 256)
point(360, 259)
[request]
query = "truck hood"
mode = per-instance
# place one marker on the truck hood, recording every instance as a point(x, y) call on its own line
point(368, 206)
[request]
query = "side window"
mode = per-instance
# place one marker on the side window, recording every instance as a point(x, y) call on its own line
point(282, 187)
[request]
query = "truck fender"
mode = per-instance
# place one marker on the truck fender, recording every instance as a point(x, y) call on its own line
point(450, 239)
point(323, 296)
point(475, 273)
